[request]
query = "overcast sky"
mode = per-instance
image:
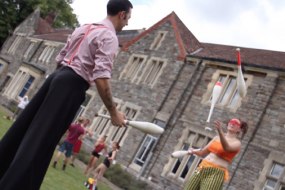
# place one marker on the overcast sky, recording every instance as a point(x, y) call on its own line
point(256, 24)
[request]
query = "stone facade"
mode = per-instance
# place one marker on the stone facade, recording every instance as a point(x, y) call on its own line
point(165, 75)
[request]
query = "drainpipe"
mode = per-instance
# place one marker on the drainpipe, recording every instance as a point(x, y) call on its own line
point(253, 134)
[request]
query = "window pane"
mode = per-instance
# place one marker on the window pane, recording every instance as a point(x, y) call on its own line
point(27, 86)
point(144, 150)
point(179, 160)
point(277, 170)
point(270, 184)
point(187, 166)
point(234, 99)
point(160, 123)
point(228, 91)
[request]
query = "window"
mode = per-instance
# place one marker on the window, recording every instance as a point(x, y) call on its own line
point(15, 44)
point(158, 39)
point(139, 71)
point(118, 134)
point(133, 68)
point(21, 83)
point(229, 96)
point(2, 66)
point(102, 126)
point(183, 167)
point(146, 147)
point(180, 169)
point(28, 51)
point(46, 54)
point(27, 86)
point(160, 123)
point(144, 150)
point(152, 71)
point(274, 177)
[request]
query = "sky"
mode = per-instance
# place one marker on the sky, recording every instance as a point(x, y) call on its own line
point(258, 24)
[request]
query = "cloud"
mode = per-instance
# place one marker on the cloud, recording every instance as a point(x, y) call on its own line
point(253, 24)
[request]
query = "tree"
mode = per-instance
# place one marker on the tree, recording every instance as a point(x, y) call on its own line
point(13, 12)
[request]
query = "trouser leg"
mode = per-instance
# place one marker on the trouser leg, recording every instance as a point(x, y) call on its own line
point(51, 113)
point(11, 140)
point(194, 181)
point(213, 179)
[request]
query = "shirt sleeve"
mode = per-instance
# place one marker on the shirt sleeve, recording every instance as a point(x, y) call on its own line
point(107, 47)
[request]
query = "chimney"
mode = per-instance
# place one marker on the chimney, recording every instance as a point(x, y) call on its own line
point(50, 18)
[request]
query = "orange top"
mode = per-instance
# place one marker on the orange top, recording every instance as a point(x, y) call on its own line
point(217, 148)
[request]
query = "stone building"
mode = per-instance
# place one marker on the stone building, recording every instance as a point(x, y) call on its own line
point(166, 76)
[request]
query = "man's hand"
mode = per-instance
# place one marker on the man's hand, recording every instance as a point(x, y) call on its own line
point(118, 118)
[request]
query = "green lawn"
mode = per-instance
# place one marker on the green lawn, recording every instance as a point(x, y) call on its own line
point(55, 179)
point(71, 178)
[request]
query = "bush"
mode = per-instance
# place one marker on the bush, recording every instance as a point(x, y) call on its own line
point(83, 156)
point(122, 179)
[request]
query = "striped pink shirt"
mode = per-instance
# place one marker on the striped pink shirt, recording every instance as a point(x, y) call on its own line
point(96, 53)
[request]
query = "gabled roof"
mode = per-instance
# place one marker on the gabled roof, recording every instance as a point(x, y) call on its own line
point(249, 56)
point(60, 35)
point(56, 35)
point(186, 41)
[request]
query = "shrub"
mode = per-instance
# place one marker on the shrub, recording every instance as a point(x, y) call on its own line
point(122, 179)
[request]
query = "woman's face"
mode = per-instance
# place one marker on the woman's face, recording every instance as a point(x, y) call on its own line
point(114, 145)
point(234, 125)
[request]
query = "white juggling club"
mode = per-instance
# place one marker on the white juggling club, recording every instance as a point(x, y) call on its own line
point(179, 153)
point(145, 127)
point(240, 80)
point(216, 93)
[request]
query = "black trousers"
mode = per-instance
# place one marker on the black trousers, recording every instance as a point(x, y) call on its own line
point(28, 146)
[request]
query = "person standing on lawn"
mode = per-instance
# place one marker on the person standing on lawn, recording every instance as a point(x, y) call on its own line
point(27, 148)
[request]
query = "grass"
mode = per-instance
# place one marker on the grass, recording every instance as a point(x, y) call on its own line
point(55, 179)
point(4, 123)
point(71, 178)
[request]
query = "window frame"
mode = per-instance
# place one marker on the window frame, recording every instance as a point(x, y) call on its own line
point(273, 158)
point(206, 99)
point(15, 44)
point(102, 126)
point(159, 38)
point(47, 53)
point(147, 71)
point(17, 83)
point(193, 138)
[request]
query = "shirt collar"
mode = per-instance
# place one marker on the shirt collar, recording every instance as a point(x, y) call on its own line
point(109, 24)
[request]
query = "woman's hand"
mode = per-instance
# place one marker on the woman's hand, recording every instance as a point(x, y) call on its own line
point(190, 151)
point(196, 151)
point(218, 125)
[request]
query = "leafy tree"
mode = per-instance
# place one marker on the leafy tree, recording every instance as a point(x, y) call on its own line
point(13, 12)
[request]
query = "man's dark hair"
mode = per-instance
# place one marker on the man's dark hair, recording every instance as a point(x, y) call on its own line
point(116, 6)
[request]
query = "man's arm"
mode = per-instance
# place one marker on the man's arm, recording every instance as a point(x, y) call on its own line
point(104, 90)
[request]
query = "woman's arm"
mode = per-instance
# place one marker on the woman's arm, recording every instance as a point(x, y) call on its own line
point(113, 155)
point(97, 142)
point(202, 152)
point(229, 147)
